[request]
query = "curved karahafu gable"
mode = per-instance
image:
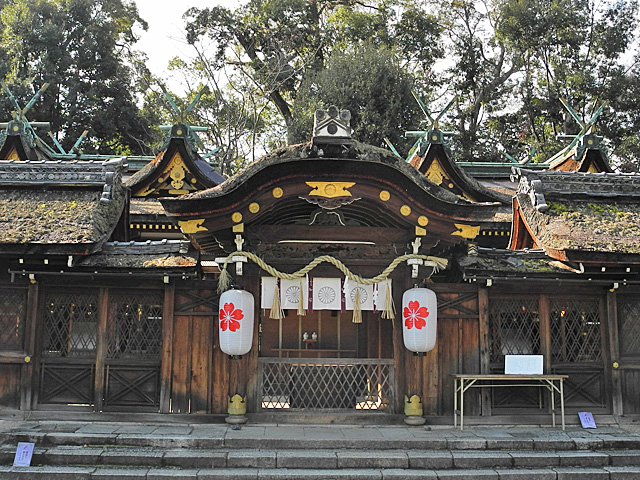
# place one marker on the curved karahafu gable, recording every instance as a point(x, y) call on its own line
point(334, 192)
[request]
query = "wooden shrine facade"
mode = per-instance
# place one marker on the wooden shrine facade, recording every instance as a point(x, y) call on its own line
point(96, 314)
point(155, 349)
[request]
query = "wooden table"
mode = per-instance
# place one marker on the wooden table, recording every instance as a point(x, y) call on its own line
point(464, 382)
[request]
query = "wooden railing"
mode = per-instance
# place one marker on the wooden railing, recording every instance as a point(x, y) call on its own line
point(326, 383)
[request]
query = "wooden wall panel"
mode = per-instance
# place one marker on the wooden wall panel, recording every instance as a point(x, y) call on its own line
point(448, 362)
point(220, 385)
point(181, 364)
point(10, 385)
point(631, 391)
point(200, 381)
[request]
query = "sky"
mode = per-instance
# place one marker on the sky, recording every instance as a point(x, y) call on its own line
point(165, 37)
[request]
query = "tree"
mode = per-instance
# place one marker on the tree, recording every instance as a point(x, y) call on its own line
point(83, 48)
point(575, 50)
point(280, 44)
point(371, 84)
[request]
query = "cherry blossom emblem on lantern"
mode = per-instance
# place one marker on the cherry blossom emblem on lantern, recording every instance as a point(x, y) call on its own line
point(230, 317)
point(415, 315)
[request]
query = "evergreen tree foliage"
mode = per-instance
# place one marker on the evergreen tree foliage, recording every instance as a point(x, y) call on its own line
point(83, 49)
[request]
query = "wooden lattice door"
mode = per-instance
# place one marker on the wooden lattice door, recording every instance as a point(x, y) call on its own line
point(134, 346)
point(628, 362)
point(514, 329)
point(13, 314)
point(68, 348)
point(101, 349)
point(577, 350)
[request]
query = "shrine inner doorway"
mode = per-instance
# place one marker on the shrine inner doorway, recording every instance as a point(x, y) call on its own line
point(323, 360)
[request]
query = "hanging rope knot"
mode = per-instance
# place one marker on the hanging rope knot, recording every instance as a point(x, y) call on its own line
point(224, 282)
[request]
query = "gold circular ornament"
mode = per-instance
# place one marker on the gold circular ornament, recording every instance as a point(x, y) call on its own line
point(423, 221)
point(254, 207)
point(451, 185)
point(194, 180)
point(590, 142)
point(434, 138)
point(384, 195)
point(405, 210)
point(277, 192)
point(330, 189)
point(16, 128)
point(178, 132)
point(236, 217)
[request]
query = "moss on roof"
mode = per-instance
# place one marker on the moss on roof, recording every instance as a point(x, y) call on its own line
point(60, 216)
point(139, 261)
point(590, 225)
point(145, 206)
point(145, 171)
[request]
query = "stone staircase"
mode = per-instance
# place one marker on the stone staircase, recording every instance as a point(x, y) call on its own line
point(206, 452)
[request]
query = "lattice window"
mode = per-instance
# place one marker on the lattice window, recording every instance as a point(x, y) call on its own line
point(135, 325)
point(70, 324)
point(514, 326)
point(309, 384)
point(12, 319)
point(575, 331)
point(629, 326)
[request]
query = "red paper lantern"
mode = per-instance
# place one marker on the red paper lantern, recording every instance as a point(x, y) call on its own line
point(419, 319)
point(236, 322)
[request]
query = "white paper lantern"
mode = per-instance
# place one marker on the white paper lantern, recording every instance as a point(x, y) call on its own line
point(419, 319)
point(236, 322)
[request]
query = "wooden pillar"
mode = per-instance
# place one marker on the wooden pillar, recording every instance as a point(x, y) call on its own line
point(398, 345)
point(101, 349)
point(29, 367)
point(614, 359)
point(485, 352)
point(545, 331)
point(251, 359)
point(167, 347)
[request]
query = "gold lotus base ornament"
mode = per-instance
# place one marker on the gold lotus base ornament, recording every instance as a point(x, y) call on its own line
point(413, 410)
point(237, 408)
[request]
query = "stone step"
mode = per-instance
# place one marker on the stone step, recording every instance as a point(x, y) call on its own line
point(111, 473)
point(320, 459)
point(218, 437)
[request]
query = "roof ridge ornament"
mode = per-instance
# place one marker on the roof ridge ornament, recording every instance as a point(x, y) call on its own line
point(585, 138)
point(332, 126)
point(20, 125)
point(433, 134)
point(181, 128)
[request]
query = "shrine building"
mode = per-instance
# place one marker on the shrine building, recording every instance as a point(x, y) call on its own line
point(327, 281)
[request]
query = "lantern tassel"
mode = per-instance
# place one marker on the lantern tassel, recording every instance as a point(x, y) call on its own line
point(357, 312)
point(301, 310)
point(276, 310)
point(224, 281)
point(389, 307)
